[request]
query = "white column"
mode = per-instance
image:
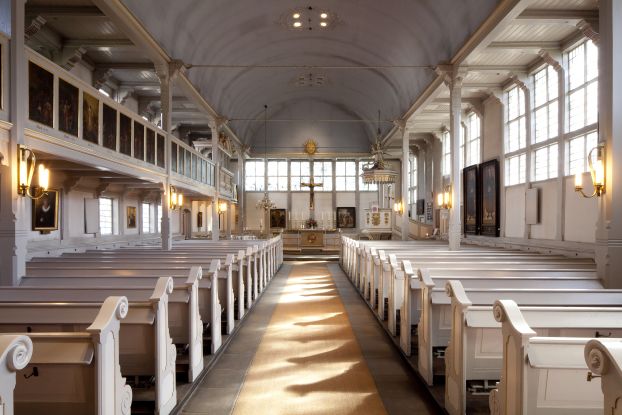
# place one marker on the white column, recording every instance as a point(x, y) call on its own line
point(405, 180)
point(14, 217)
point(214, 126)
point(167, 74)
point(609, 225)
point(241, 192)
point(455, 115)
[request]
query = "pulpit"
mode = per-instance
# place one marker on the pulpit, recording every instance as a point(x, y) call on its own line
point(377, 223)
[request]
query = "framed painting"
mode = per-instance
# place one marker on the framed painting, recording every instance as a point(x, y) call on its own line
point(346, 217)
point(90, 118)
point(125, 134)
point(109, 127)
point(160, 151)
point(151, 146)
point(45, 212)
point(174, 157)
point(278, 218)
point(489, 197)
point(139, 141)
point(200, 220)
point(40, 95)
point(67, 108)
point(131, 217)
point(470, 200)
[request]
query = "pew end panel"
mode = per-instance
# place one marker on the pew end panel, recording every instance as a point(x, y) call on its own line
point(15, 353)
point(604, 359)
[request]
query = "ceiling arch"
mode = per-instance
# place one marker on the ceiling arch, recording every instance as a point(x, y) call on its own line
point(371, 38)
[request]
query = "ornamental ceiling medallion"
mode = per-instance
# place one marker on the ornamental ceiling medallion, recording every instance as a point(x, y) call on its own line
point(310, 147)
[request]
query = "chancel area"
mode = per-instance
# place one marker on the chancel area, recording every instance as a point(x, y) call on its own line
point(310, 207)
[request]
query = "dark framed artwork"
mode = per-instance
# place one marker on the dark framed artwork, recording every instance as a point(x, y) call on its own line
point(40, 95)
point(151, 146)
point(139, 141)
point(125, 134)
point(45, 212)
point(420, 207)
point(346, 217)
point(160, 151)
point(489, 191)
point(67, 108)
point(174, 157)
point(470, 200)
point(90, 118)
point(200, 220)
point(278, 218)
point(131, 217)
point(110, 127)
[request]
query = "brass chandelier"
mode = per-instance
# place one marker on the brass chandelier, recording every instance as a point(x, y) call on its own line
point(376, 171)
point(265, 203)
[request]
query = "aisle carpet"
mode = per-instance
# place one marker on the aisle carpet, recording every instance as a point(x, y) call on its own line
point(309, 361)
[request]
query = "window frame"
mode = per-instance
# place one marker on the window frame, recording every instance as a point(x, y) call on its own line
point(345, 176)
point(298, 178)
point(112, 216)
point(259, 180)
point(279, 176)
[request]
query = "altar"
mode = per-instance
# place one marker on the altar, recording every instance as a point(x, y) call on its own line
point(325, 240)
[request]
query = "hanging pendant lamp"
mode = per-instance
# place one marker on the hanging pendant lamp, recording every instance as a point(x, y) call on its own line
point(375, 172)
point(266, 204)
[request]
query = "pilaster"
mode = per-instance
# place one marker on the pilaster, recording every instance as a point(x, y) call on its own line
point(14, 211)
point(609, 224)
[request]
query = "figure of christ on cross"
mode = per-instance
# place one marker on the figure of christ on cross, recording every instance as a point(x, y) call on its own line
point(311, 185)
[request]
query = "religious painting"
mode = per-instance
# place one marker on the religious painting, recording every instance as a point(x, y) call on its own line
point(151, 146)
point(90, 118)
point(125, 134)
point(45, 212)
point(139, 141)
point(174, 157)
point(346, 217)
point(160, 151)
point(40, 95)
point(67, 108)
point(470, 198)
point(109, 120)
point(278, 218)
point(420, 207)
point(131, 217)
point(489, 191)
point(200, 220)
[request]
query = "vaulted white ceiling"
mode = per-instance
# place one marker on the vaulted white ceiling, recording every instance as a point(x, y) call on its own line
point(341, 113)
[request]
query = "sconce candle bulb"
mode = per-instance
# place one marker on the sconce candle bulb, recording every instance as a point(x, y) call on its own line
point(597, 171)
point(27, 162)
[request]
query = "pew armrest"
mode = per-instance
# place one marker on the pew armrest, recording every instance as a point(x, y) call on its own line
point(604, 358)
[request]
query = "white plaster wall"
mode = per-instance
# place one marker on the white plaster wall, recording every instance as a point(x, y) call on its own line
point(515, 211)
point(346, 199)
point(581, 213)
point(84, 73)
point(548, 194)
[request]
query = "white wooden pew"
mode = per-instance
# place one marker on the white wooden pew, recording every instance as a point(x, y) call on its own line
point(146, 346)
point(184, 319)
point(15, 353)
point(604, 359)
point(411, 295)
point(52, 273)
point(77, 372)
point(545, 375)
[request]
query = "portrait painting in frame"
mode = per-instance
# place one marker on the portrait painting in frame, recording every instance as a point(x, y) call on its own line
point(346, 217)
point(131, 217)
point(160, 151)
point(174, 157)
point(109, 127)
point(90, 118)
point(278, 218)
point(150, 146)
point(125, 134)
point(40, 95)
point(489, 191)
point(67, 108)
point(200, 220)
point(470, 200)
point(139, 141)
point(45, 212)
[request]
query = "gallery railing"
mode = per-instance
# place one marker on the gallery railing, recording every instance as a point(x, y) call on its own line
point(190, 164)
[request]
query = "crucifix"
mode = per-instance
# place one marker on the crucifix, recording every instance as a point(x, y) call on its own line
point(311, 185)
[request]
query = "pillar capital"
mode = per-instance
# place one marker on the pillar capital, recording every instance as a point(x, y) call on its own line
point(588, 31)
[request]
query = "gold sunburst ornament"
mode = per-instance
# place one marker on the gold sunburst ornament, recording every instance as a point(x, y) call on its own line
point(310, 147)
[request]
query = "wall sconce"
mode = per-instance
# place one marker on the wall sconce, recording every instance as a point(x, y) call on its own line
point(443, 199)
point(222, 207)
point(26, 160)
point(398, 207)
point(597, 171)
point(176, 200)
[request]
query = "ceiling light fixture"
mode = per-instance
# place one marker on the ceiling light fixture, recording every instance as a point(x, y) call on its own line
point(323, 24)
point(376, 171)
point(296, 15)
point(324, 15)
point(297, 24)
